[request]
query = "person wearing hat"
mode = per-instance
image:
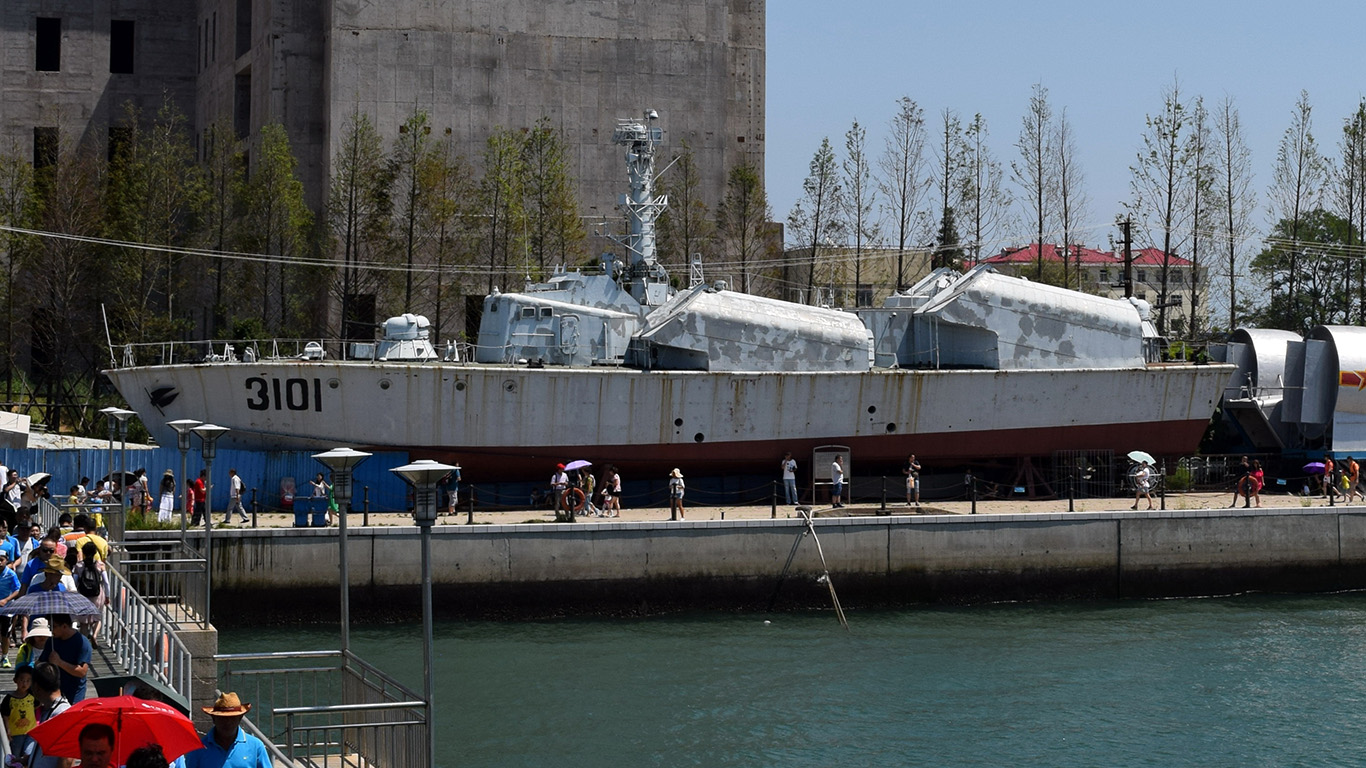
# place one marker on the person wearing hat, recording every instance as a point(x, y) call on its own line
point(226, 744)
point(676, 495)
point(34, 642)
point(559, 483)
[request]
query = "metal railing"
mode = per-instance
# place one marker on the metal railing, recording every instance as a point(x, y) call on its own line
point(330, 707)
point(142, 637)
point(168, 572)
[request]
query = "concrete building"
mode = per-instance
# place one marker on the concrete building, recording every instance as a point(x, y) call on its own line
point(472, 65)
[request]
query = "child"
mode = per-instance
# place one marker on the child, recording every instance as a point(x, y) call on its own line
point(18, 711)
point(34, 643)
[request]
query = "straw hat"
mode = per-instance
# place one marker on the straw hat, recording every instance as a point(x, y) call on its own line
point(676, 473)
point(56, 565)
point(227, 705)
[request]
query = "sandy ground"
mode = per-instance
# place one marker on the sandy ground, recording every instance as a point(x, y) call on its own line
point(1194, 500)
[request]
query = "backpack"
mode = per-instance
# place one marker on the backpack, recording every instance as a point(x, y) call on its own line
point(89, 582)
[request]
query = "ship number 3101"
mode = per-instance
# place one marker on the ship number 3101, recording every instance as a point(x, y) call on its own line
point(284, 395)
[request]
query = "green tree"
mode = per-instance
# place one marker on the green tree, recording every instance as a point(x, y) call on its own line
point(947, 252)
point(18, 209)
point(500, 202)
point(554, 229)
point(448, 209)
point(685, 226)
point(411, 153)
point(156, 196)
point(744, 214)
point(223, 182)
point(1296, 188)
point(358, 210)
point(276, 224)
point(1315, 246)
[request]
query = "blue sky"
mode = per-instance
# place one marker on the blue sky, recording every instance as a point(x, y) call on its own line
point(1106, 63)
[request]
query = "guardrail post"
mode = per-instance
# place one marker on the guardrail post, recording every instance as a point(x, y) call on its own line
point(1071, 494)
point(972, 491)
point(255, 508)
point(883, 510)
point(773, 500)
point(470, 520)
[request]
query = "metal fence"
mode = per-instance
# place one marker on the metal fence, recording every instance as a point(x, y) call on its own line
point(142, 637)
point(168, 573)
point(330, 708)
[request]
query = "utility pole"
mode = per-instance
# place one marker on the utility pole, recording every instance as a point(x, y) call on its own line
point(1128, 261)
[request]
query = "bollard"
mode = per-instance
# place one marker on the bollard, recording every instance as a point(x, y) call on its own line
point(883, 510)
point(470, 520)
point(365, 510)
point(1071, 495)
point(972, 491)
point(1162, 483)
point(723, 514)
point(255, 507)
point(773, 501)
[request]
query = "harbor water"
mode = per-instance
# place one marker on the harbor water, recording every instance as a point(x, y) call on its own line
point(1246, 681)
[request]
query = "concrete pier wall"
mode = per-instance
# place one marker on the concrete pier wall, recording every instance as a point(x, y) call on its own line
point(633, 567)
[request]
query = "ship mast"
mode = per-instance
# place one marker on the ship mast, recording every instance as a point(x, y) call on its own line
point(644, 278)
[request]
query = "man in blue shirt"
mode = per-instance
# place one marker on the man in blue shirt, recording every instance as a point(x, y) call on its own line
point(9, 589)
point(226, 744)
point(45, 551)
point(69, 651)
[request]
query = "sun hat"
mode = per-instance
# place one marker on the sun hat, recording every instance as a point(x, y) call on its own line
point(227, 705)
point(56, 565)
point(38, 628)
point(168, 473)
point(675, 473)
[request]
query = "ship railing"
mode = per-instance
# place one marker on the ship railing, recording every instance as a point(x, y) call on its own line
point(329, 708)
point(228, 351)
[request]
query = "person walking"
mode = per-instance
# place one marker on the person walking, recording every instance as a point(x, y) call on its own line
point(1258, 481)
point(1243, 485)
point(236, 490)
point(789, 470)
point(912, 473)
point(559, 483)
point(166, 503)
point(197, 494)
point(1143, 481)
point(837, 482)
point(676, 488)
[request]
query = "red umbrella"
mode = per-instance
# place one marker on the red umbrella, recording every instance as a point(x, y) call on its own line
point(136, 723)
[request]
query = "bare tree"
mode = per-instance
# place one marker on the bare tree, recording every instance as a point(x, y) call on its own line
point(1160, 184)
point(859, 198)
point(1073, 203)
point(902, 178)
point(277, 223)
point(1296, 187)
point(1036, 171)
point(223, 169)
point(951, 181)
point(18, 208)
point(816, 217)
point(449, 203)
point(1349, 194)
point(500, 197)
point(410, 153)
point(987, 203)
point(744, 214)
point(1237, 200)
point(1199, 154)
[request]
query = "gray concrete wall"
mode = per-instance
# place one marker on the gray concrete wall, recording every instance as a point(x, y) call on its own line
point(83, 98)
point(896, 560)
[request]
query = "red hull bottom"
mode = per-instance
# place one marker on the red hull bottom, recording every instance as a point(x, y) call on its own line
point(885, 453)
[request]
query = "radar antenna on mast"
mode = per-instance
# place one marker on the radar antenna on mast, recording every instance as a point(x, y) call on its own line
point(644, 278)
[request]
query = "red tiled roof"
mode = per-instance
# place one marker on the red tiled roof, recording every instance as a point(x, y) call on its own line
point(1089, 256)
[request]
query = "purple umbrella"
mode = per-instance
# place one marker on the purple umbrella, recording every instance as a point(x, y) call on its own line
point(1314, 467)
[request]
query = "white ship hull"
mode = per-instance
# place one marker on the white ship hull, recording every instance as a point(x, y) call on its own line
point(512, 422)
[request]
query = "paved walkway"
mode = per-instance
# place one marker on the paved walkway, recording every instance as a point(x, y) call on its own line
point(1193, 500)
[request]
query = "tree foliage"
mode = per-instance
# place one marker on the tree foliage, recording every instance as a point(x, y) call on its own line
point(554, 230)
point(744, 214)
point(817, 219)
point(359, 205)
point(685, 226)
point(1234, 195)
point(1314, 250)
point(860, 198)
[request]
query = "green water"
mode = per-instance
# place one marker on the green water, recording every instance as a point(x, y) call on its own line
point(1247, 681)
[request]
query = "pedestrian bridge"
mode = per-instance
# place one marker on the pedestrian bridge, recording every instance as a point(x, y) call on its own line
point(310, 708)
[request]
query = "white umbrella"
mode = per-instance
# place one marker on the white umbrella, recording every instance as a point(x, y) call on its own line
point(1140, 456)
point(577, 464)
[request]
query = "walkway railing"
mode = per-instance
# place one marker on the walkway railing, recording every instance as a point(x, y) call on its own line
point(167, 573)
point(142, 637)
point(323, 707)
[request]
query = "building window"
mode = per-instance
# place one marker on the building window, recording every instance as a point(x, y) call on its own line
point(1142, 275)
point(49, 39)
point(243, 26)
point(44, 148)
point(1104, 276)
point(863, 296)
point(241, 112)
point(1143, 295)
point(121, 47)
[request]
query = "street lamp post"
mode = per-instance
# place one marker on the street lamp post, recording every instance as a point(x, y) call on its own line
point(342, 461)
point(115, 416)
point(423, 475)
point(123, 415)
point(208, 437)
point(182, 429)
